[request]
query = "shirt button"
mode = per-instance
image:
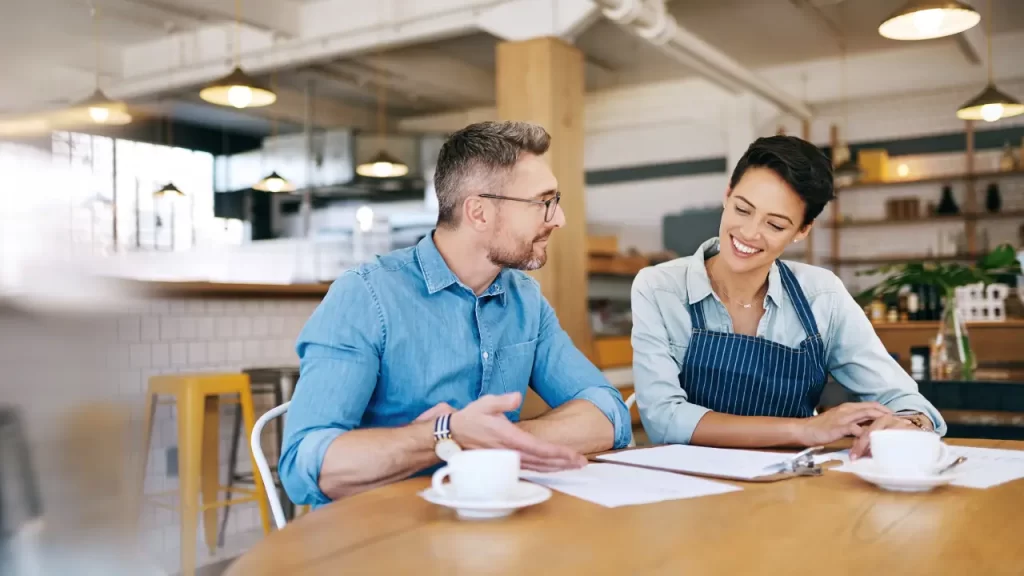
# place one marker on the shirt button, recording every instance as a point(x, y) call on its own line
point(485, 355)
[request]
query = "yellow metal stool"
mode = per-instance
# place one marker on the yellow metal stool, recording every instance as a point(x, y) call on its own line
point(198, 400)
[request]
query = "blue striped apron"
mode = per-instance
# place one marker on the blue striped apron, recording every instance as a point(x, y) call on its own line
point(753, 376)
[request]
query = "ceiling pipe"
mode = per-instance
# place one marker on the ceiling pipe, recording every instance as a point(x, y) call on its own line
point(650, 21)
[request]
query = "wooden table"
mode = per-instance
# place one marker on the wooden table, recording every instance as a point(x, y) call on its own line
point(833, 524)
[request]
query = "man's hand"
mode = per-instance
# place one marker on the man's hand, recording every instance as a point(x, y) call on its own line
point(839, 422)
point(436, 412)
point(862, 446)
point(483, 424)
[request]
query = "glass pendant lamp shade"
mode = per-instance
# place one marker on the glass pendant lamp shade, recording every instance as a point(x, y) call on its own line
point(383, 165)
point(926, 19)
point(274, 183)
point(238, 90)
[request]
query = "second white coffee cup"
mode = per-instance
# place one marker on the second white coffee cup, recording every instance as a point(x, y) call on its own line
point(908, 451)
point(478, 475)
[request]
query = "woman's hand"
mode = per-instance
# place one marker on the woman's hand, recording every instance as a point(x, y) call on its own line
point(839, 422)
point(862, 446)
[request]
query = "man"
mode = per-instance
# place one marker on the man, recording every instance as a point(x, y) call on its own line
point(430, 349)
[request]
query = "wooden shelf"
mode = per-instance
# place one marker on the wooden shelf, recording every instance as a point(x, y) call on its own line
point(230, 290)
point(927, 220)
point(1014, 323)
point(935, 179)
point(616, 265)
point(898, 258)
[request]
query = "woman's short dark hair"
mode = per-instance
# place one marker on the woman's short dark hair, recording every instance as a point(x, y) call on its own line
point(803, 166)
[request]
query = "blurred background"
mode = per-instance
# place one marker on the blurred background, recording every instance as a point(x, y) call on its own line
point(181, 180)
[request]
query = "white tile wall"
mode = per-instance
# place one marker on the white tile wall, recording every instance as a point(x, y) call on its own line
point(189, 335)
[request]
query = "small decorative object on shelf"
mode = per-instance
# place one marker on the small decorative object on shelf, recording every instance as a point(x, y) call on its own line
point(947, 206)
point(980, 303)
point(951, 348)
point(1007, 161)
point(993, 200)
point(902, 208)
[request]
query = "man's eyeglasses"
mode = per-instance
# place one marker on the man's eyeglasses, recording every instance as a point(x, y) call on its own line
point(550, 205)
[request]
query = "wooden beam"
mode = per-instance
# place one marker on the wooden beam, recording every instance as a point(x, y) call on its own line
point(805, 133)
point(541, 81)
point(971, 200)
point(834, 143)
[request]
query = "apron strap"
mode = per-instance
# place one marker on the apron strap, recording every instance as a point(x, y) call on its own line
point(800, 303)
point(697, 315)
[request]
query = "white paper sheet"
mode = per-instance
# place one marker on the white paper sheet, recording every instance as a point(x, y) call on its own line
point(984, 468)
point(611, 485)
point(742, 464)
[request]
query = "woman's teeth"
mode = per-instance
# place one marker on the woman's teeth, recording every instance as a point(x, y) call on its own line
point(743, 247)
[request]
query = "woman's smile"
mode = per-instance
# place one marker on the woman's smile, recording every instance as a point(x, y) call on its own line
point(742, 249)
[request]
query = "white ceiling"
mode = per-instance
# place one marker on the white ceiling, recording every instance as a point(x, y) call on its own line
point(56, 35)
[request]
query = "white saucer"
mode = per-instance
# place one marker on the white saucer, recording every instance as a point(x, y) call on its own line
point(524, 494)
point(869, 471)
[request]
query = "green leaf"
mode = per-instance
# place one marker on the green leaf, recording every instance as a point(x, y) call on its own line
point(1002, 256)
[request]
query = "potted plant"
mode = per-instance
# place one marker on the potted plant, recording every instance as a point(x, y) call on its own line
point(952, 345)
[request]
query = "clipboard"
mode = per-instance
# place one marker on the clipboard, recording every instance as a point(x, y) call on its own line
point(798, 465)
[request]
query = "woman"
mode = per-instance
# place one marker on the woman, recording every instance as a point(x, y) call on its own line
point(732, 347)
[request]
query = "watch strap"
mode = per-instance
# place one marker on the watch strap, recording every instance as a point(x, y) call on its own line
point(916, 418)
point(441, 428)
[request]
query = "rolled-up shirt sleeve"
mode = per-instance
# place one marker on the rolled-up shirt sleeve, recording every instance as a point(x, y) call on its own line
point(339, 359)
point(858, 361)
point(667, 415)
point(562, 373)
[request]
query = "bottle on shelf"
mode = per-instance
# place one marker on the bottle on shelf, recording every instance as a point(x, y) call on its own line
point(893, 316)
point(929, 303)
point(1007, 161)
point(913, 304)
point(947, 205)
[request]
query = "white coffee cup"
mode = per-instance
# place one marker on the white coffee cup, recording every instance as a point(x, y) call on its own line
point(478, 475)
point(908, 451)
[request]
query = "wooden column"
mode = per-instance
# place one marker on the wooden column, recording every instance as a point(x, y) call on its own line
point(805, 134)
point(834, 142)
point(541, 81)
point(971, 198)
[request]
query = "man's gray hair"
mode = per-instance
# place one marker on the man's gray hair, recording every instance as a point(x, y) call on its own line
point(481, 155)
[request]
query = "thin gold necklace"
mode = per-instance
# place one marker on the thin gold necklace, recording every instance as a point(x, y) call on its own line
point(722, 293)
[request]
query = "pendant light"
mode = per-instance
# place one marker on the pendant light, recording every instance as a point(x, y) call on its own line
point(926, 19)
point(274, 182)
point(992, 104)
point(383, 164)
point(169, 189)
point(238, 89)
point(99, 108)
point(846, 171)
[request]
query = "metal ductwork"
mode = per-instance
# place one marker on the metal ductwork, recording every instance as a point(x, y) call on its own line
point(649, 20)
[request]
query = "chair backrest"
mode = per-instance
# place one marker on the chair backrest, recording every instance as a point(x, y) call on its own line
point(629, 406)
point(261, 462)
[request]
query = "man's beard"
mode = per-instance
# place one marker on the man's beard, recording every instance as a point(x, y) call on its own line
point(521, 257)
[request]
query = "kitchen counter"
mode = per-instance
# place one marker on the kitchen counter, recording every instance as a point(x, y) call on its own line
point(229, 290)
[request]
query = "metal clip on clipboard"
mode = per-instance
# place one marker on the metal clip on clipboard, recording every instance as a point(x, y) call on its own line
point(803, 464)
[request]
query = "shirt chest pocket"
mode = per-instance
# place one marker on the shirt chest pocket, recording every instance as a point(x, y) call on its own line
point(515, 364)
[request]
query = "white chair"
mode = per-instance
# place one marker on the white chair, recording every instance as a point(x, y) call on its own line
point(629, 406)
point(261, 462)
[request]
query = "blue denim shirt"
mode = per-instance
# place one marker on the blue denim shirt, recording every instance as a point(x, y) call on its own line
point(662, 296)
point(393, 338)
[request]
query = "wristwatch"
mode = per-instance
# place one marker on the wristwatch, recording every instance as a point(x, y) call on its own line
point(917, 419)
point(444, 446)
